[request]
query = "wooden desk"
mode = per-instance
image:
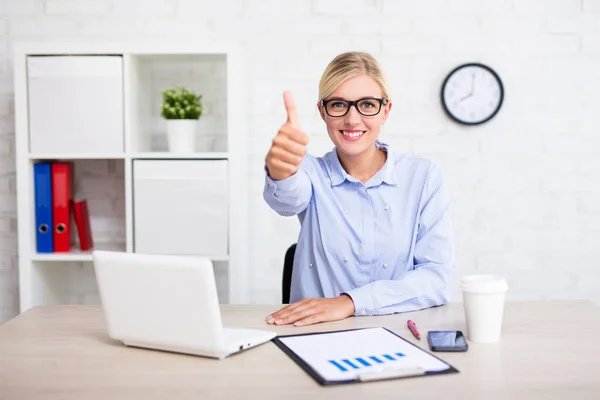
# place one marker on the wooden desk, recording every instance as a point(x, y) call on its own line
point(549, 350)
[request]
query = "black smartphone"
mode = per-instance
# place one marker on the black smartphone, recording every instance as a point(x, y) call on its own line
point(447, 341)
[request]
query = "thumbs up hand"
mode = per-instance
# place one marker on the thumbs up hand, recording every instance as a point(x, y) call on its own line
point(289, 145)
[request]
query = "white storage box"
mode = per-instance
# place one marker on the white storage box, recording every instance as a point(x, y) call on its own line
point(75, 104)
point(180, 207)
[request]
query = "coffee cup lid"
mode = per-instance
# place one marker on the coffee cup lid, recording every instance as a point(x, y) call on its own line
point(483, 284)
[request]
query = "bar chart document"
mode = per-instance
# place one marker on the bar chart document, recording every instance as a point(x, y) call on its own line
point(360, 355)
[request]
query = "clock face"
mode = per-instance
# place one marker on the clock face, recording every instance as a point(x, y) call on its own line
point(472, 94)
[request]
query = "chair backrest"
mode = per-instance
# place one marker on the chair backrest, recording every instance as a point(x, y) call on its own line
point(288, 266)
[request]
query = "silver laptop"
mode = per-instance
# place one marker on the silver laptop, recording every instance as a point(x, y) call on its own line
point(167, 303)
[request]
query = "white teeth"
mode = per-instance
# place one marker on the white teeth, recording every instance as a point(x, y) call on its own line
point(352, 134)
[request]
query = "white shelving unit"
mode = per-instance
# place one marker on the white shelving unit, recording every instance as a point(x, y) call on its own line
point(41, 71)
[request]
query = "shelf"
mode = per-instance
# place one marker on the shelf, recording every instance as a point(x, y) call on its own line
point(105, 173)
point(180, 156)
point(137, 156)
point(76, 254)
point(76, 156)
point(145, 77)
point(80, 256)
point(63, 257)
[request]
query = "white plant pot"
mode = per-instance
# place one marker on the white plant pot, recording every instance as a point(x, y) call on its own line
point(181, 135)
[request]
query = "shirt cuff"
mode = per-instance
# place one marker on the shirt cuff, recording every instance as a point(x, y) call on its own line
point(362, 300)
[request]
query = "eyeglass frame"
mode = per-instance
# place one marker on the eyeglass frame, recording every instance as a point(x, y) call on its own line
point(382, 102)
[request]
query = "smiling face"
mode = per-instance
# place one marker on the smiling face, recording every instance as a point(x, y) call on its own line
point(354, 134)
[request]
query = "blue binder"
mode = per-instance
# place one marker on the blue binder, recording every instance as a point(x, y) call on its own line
point(43, 207)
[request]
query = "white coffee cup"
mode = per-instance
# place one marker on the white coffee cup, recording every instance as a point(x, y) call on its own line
point(483, 300)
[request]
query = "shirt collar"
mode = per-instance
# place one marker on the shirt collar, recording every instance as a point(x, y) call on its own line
point(385, 174)
point(336, 171)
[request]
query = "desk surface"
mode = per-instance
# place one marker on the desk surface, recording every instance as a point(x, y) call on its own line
point(548, 350)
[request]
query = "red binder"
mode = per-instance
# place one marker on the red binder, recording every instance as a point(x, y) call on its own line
point(82, 221)
point(62, 194)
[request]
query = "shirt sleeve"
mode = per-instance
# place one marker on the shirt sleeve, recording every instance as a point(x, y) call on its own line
point(288, 196)
point(430, 282)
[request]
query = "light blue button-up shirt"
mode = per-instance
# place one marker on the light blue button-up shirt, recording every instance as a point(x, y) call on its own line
point(387, 243)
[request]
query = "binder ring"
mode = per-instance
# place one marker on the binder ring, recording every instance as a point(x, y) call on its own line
point(61, 228)
point(43, 228)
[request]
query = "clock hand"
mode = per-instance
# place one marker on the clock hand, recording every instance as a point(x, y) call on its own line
point(466, 97)
point(473, 83)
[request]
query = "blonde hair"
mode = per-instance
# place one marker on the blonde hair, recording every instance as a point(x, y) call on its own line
point(348, 65)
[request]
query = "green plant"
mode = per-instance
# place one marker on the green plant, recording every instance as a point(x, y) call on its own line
point(181, 103)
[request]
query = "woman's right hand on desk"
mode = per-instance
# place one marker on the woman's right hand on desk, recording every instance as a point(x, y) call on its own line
point(289, 146)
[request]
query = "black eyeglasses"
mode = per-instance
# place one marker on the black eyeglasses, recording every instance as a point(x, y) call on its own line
point(367, 106)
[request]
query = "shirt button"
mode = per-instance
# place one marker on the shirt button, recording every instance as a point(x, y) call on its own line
point(345, 260)
point(345, 211)
point(387, 207)
point(310, 265)
point(364, 312)
point(384, 265)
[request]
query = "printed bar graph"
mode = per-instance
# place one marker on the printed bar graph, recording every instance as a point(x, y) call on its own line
point(340, 366)
point(348, 364)
point(363, 362)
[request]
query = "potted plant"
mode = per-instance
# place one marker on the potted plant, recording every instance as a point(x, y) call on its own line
point(181, 108)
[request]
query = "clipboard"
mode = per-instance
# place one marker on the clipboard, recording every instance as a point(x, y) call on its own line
point(360, 355)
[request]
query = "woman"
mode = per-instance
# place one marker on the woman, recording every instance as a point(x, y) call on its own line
point(375, 234)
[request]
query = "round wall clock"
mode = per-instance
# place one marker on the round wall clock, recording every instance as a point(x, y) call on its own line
point(472, 94)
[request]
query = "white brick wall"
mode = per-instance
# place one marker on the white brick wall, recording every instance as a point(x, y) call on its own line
point(591, 6)
point(71, 7)
point(21, 7)
point(524, 188)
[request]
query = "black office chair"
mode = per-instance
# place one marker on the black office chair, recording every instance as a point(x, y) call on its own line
point(288, 266)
